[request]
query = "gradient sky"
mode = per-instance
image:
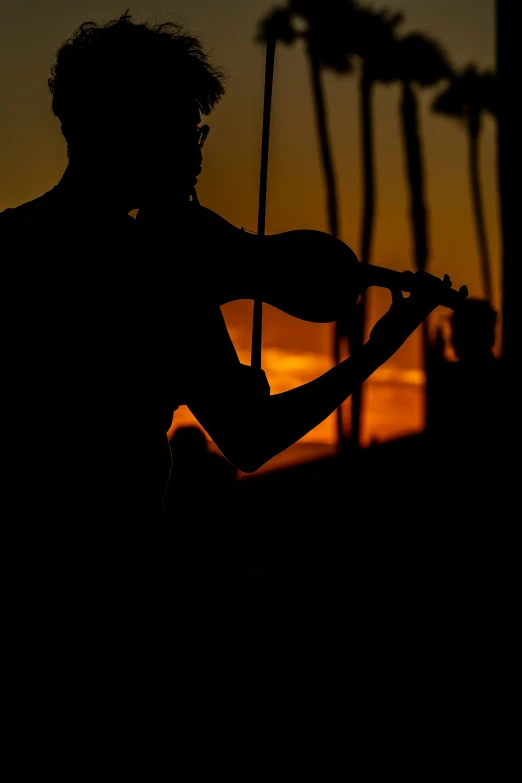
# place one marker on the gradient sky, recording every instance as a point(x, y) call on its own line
point(32, 159)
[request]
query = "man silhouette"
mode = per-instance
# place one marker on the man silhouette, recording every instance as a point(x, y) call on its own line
point(468, 403)
point(112, 321)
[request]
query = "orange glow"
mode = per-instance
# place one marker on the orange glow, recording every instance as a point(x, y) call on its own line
point(393, 396)
point(393, 401)
point(33, 158)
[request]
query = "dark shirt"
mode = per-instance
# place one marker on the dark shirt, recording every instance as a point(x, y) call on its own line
point(90, 373)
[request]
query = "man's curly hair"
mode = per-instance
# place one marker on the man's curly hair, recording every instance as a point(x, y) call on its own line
point(104, 67)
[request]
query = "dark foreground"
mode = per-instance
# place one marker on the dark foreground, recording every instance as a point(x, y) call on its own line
point(364, 605)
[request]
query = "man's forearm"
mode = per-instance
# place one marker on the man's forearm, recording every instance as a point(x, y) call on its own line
point(282, 419)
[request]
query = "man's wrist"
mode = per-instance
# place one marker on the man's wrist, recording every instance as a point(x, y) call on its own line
point(371, 356)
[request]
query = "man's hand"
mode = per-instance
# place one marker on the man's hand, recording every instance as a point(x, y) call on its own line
point(406, 314)
point(254, 382)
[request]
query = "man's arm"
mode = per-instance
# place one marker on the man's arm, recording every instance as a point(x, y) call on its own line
point(249, 426)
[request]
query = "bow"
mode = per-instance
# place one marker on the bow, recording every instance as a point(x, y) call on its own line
point(257, 322)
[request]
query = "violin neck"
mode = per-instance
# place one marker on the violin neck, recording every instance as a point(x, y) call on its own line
point(382, 277)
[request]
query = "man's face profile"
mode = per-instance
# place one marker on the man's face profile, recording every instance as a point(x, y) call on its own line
point(154, 147)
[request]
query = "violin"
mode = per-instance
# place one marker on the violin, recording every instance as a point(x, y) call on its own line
point(281, 269)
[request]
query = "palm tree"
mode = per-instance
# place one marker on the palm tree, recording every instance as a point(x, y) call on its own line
point(467, 97)
point(323, 46)
point(369, 35)
point(320, 26)
point(418, 60)
point(508, 146)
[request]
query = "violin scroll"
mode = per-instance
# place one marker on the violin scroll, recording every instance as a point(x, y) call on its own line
point(409, 281)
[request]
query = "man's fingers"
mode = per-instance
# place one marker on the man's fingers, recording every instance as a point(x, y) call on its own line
point(397, 295)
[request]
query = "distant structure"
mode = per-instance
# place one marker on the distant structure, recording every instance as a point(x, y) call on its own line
point(473, 331)
point(464, 397)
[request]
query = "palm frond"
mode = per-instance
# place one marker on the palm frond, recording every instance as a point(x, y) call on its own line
point(371, 36)
point(469, 93)
point(277, 24)
point(421, 59)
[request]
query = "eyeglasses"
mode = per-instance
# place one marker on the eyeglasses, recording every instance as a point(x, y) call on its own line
point(202, 134)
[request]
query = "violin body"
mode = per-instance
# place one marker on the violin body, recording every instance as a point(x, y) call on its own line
point(307, 274)
point(282, 270)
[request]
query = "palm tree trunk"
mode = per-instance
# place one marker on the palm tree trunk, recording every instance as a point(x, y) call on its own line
point(324, 141)
point(478, 210)
point(415, 178)
point(368, 166)
point(415, 175)
point(356, 337)
point(331, 187)
point(509, 127)
point(338, 336)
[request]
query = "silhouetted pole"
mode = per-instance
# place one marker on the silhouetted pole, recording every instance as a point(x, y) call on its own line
point(257, 325)
point(508, 86)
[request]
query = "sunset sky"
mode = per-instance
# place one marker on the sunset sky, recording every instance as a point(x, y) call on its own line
point(33, 158)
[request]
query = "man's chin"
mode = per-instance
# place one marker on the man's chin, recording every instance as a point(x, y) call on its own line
point(158, 192)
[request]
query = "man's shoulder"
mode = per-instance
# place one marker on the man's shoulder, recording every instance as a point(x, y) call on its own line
point(44, 219)
point(29, 211)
